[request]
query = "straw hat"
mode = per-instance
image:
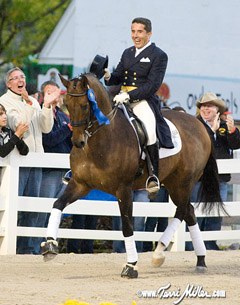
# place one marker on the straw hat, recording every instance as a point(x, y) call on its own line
point(211, 98)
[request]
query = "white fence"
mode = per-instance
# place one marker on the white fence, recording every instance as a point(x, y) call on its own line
point(11, 203)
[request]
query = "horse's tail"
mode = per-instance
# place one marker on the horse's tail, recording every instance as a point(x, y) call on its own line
point(209, 192)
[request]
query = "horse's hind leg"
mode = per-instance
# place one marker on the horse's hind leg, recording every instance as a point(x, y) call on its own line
point(125, 205)
point(49, 248)
point(197, 240)
point(158, 255)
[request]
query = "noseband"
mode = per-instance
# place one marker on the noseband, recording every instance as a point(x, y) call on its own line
point(88, 122)
point(85, 121)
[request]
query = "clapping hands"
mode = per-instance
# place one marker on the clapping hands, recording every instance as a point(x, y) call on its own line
point(230, 123)
point(216, 122)
point(21, 129)
point(51, 96)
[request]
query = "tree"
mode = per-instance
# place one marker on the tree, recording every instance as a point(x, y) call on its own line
point(25, 26)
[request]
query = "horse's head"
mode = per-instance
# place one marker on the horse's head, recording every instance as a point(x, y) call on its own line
point(78, 105)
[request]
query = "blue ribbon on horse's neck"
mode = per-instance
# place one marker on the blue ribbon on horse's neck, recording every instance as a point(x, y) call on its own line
point(101, 118)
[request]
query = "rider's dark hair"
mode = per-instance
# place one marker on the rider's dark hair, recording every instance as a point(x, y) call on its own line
point(146, 22)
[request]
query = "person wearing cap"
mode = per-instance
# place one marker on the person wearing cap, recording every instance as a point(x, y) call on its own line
point(140, 73)
point(225, 138)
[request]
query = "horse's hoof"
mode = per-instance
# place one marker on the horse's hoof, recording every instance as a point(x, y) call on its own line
point(158, 259)
point(48, 257)
point(201, 269)
point(130, 271)
point(49, 247)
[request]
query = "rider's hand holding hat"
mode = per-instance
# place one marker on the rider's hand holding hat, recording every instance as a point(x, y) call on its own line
point(121, 98)
point(107, 74)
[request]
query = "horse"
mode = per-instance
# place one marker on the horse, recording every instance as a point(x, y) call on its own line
point(106, 157)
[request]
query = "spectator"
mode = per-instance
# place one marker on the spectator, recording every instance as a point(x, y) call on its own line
point(225, 138)
point(22, 108)
point(58, 140)
point(10, 139)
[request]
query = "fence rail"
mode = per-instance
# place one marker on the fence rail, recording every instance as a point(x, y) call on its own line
point(11, 203)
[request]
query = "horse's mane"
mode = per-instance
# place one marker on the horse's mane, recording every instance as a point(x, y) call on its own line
point(100, 90)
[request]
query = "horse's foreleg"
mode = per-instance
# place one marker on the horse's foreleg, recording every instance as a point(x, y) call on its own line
point(125, 206)
point(197, 240)
point(49, 248)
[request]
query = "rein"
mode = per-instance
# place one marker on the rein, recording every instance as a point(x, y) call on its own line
point(110, 115)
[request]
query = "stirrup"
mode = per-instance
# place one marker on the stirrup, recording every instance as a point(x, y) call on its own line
point(67, 177)
point(152, 184)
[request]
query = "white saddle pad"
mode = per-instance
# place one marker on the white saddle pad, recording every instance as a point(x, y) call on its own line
point(176, 139)
point(163, 152)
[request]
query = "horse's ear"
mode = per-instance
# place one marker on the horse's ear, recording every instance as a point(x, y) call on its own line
point(63, 80)
point(85, 82)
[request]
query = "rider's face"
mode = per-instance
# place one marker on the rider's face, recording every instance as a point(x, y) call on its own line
point(140, 36)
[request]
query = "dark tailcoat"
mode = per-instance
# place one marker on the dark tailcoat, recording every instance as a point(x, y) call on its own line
point(146, 72)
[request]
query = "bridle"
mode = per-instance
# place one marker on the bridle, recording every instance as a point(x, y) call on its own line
point(82, 122)
point(88, 121)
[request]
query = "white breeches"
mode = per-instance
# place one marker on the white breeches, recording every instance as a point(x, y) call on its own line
point(144, 112)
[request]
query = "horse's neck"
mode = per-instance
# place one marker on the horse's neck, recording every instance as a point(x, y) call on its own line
point(104, 102)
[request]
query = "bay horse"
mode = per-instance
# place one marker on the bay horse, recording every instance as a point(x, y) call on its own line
point(106, 157)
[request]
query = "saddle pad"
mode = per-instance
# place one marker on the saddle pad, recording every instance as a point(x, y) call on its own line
point(176, 139)
point(163, 152)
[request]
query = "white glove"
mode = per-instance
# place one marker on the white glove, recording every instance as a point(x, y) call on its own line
point(121, 98)
point(107, 74)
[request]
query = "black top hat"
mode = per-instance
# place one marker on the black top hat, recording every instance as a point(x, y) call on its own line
point(98, 65)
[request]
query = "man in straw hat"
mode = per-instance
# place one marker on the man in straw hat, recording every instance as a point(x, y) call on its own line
point(225, 138)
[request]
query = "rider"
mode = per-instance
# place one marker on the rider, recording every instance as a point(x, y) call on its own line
point(140, 73)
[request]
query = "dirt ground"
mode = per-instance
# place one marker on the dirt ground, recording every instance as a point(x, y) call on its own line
point(95, 278)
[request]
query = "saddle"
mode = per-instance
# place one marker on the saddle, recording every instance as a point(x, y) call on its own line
point(139, 128)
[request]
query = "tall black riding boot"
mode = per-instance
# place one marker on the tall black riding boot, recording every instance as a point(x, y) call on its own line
point(153, 184)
